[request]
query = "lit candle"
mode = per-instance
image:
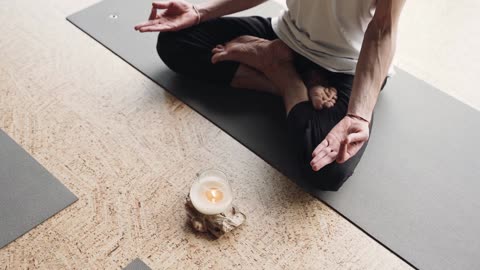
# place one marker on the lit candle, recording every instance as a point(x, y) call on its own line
point(211, 193)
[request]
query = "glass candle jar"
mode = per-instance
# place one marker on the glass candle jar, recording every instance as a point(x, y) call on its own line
point(211, 193)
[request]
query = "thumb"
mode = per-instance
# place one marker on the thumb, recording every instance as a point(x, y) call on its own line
point(153, 14)
point(351, 145)
point(161, 5)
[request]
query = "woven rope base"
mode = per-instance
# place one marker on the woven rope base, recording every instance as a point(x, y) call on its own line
point(216, 225)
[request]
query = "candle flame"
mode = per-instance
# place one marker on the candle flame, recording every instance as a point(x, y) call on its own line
point(214, 195)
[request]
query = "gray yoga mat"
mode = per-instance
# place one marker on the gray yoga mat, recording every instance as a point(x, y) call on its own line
point(29, 194)
point(137, 264)
point(416, 189)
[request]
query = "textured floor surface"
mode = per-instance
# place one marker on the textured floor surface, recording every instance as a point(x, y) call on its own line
point(129, 151)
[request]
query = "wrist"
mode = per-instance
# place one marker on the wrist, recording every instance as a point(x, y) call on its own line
point(199, 17)
point(202, 12)
point(358, 117)
point(360, 112)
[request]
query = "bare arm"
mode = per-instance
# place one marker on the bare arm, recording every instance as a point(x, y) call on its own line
point(179, 14)
point(375, 57)
point(351, 133)
point(218, 8)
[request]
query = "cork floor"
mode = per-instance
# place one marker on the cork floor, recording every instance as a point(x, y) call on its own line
point(129, 151)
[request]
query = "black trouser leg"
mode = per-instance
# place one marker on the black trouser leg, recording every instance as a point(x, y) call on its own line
point(307, 129)
point(189, 51)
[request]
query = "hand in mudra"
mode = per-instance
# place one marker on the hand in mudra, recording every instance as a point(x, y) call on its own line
point(175, 15)
point(341, 143)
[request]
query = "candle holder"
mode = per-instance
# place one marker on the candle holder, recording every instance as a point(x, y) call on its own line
point(209, 204)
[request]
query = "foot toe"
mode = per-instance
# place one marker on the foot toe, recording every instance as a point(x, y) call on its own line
point(331, 91)
point(317, 105)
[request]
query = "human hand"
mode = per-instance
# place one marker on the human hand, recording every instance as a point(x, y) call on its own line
point(176, 15)
point(341, 143)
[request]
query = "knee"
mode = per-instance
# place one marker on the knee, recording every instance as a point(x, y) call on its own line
point(306, 128)
point(329, 178)
point(168, 49)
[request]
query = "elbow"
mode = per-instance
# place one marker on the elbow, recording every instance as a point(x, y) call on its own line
point(383, 25)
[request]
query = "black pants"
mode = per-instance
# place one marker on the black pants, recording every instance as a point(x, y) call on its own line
point(188, 52)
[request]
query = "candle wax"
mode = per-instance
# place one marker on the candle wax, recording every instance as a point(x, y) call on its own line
point(211, 195)
point(214, 195)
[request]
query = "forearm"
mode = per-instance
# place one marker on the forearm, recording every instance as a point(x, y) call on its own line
point(375, 58)
point(218, 8)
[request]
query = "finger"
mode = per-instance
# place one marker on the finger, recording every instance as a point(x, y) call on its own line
point(161, 5)
point(351, 150)
point(351, 145)
point(147, 23)
point(342, 152)
point(218, 49)
point(357, 137)
point(324, 161)
point(320, 155)
point(319, 148)
point(157, 28)
point(225, 56)
point(218, 57)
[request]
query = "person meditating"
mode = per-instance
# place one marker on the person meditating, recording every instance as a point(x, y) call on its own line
point(327, 59)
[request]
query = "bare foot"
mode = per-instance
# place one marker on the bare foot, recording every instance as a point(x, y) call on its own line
point(261, 54)
point(269, 56)
point(321, 95)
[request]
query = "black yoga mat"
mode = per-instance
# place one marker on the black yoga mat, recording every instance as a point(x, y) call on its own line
point(416, 189)
point(29, 194)
point(137, 264)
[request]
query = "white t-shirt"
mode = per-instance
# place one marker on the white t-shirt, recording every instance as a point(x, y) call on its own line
point(328, 32)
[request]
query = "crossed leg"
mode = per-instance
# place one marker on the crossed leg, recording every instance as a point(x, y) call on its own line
point(268, 65)
point(273, 59)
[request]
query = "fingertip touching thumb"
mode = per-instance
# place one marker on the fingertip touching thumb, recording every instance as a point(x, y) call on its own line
point(357, 137)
